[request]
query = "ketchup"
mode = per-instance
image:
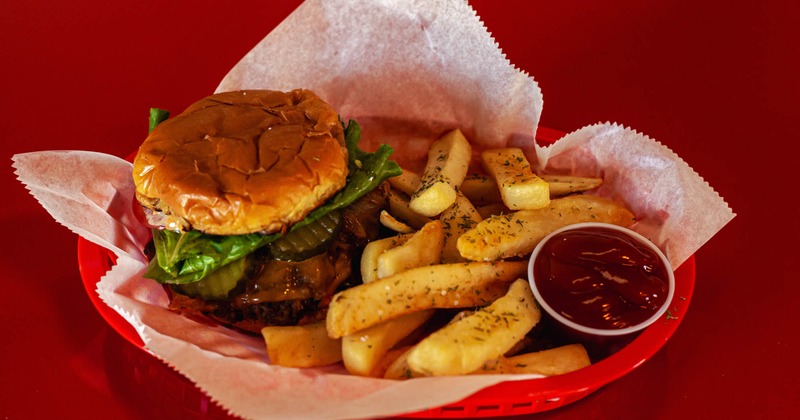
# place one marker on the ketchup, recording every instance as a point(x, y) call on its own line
point(600, 278)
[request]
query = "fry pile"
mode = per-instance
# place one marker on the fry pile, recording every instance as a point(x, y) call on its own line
point(460, 247)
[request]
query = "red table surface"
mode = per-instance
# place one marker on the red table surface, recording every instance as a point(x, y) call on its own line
point(715, 81)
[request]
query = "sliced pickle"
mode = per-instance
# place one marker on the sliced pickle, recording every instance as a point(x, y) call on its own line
point(216, 285)
point(307, 241)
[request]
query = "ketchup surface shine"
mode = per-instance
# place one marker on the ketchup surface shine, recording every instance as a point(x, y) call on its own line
point(600, 278)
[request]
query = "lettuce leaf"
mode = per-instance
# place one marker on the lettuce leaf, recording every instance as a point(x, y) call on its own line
point(366, 171)
point(157, 116)
point(186, 257)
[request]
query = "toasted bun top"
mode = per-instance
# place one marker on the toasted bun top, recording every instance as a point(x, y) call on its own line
point(243, 162)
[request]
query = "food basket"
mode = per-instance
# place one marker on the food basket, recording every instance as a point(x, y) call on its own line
point(166, 391)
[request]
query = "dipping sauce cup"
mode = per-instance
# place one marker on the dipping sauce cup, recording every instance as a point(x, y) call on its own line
point(598, 280)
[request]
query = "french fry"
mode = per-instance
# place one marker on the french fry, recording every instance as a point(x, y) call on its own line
point(382, 368)
point(494, 209)
point(301, 346)
point(566, 184)
point(464, 346)
point(363, 351)
point(407, 182)
point(399, 368)
point(398, 207)
point(423, 248)
point(551, 362)
point(518, 233)
point(457, 219)
point(390, 222)
point(451, 254)
point(496, 366)
point(448, 161)
point(480, 189)
point(458, 285)
point(519, 187)
point(520, 346)
point(369, 257)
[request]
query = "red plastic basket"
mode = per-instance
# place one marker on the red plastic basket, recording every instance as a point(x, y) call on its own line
point(503, 399)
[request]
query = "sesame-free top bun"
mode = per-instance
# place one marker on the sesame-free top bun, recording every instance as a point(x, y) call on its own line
point(243, 162)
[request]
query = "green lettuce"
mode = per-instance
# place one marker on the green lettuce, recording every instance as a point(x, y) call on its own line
point(186, 257)
point(157, 116)
point(366, 171)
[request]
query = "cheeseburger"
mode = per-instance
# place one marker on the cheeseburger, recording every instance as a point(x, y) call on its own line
point(260, 203)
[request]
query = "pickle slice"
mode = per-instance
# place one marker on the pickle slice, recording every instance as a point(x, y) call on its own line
point(307, 241)
point(216, 285)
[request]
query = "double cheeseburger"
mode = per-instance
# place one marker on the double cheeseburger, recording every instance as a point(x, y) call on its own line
point(260, 203)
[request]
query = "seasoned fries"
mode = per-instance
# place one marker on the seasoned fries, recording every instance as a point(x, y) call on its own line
point(461, 243)
point(423, 248)
point(392, 223)
point(551, 362)
point(369, 258)
point(566, 184)
point(480, 189)
point(494, 209)
point(448, 161)
point(457, 219)
point(399, 208)
point(407, 182)
point(457, 285)
point(465, 345)
point(399, 368)
point(517, 234)
point(302, 346)
point(362, 351)
point(519, 187)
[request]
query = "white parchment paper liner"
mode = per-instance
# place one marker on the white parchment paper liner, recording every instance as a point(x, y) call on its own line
point(404, 70)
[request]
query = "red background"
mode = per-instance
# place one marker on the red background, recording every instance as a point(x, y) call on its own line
point(715, 81)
